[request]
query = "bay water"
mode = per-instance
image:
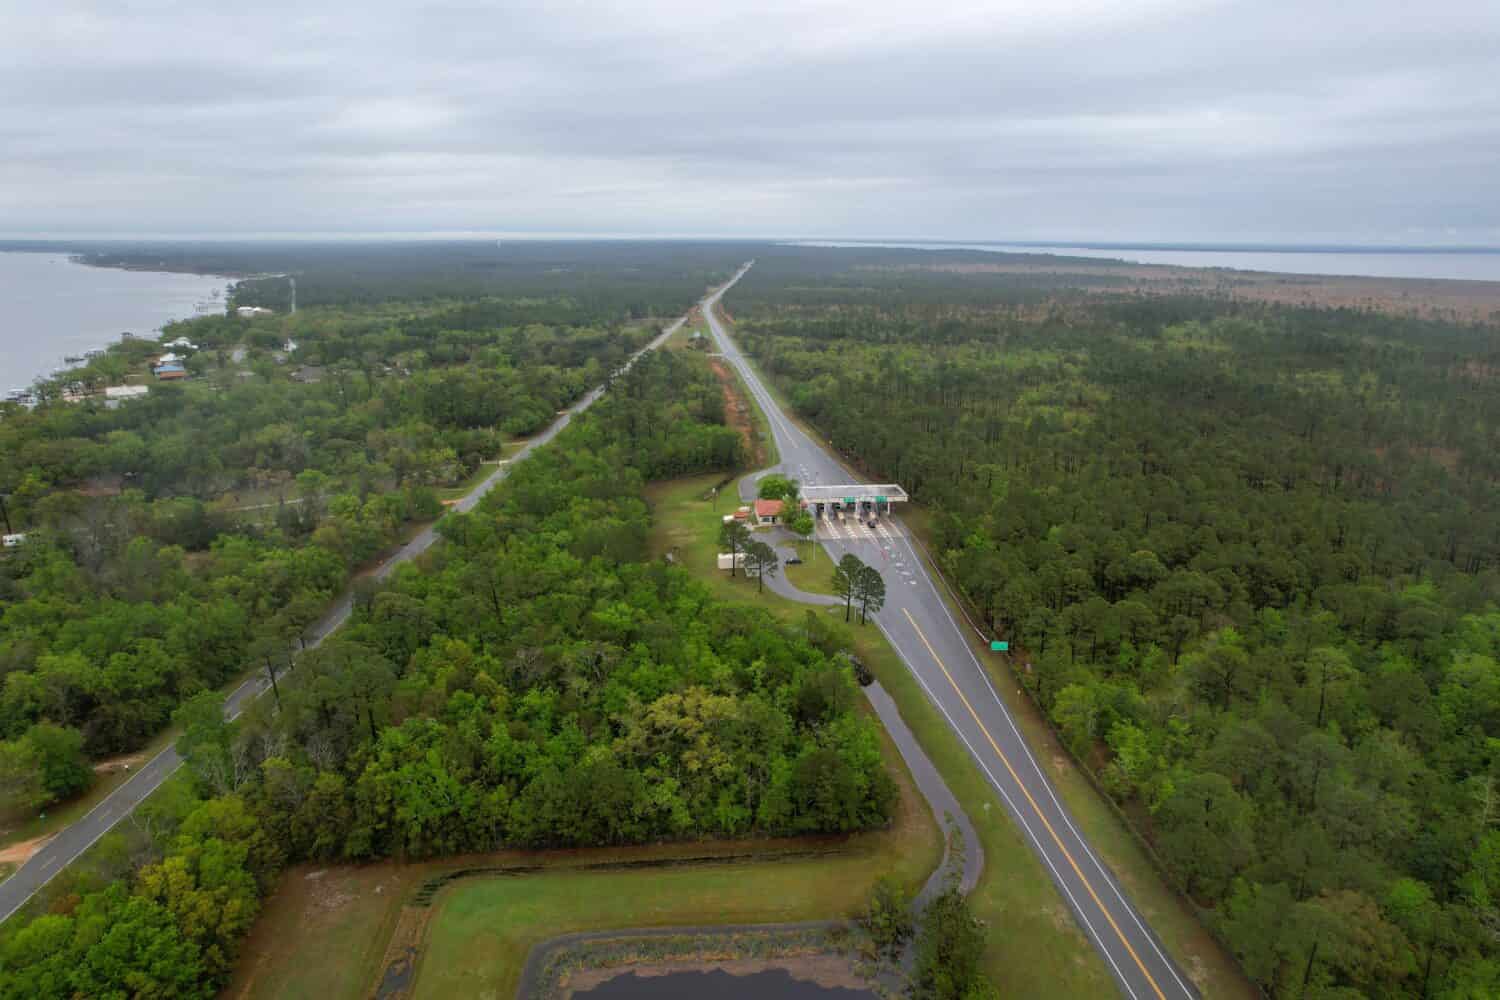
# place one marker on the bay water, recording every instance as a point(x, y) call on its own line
point(52, 307)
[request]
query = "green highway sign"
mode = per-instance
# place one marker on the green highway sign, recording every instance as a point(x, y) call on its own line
point(1000, 647)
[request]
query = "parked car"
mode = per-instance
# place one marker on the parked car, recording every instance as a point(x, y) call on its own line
point(794, 560)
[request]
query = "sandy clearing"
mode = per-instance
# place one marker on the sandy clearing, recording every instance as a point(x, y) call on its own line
point(20, 853)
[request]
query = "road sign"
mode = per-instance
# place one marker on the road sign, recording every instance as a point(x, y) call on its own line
point(1000, 647)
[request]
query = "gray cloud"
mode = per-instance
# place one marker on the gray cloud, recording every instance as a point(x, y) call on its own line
point(1165, 119)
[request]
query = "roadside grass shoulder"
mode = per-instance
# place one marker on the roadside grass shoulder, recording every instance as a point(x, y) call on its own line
point(1212, 969)
point(463, 489)
point(60, 815)
point(1035, 948)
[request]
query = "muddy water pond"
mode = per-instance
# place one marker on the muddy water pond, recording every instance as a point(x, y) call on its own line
point(773, 984)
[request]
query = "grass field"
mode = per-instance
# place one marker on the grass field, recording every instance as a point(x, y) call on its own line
point(814, 575)
point(323, 934)
point(1036, 949)
point(482, 930)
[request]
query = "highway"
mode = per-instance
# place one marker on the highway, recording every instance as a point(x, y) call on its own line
point(919, 625)
point(73, 840)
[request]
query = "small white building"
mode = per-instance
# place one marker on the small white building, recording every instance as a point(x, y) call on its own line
point(736, 561)
point(250, 312)
point(182, 343)
point(114, 395)
point(14, 541)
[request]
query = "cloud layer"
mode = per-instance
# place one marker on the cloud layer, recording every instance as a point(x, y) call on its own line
point(1155, 119)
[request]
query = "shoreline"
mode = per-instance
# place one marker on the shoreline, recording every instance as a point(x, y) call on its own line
point(85, 309)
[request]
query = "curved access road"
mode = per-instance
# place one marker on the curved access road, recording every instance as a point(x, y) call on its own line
point(922, 630)
point(73, 840)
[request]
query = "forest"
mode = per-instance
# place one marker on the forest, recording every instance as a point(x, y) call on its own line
point(170, 536)
point(1248, 557)
point(538, 680)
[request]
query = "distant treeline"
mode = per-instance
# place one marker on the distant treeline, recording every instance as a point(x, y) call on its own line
point(602, 280)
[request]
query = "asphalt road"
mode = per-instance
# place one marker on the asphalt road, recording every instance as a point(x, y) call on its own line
point(924, 632)
point(73, 840)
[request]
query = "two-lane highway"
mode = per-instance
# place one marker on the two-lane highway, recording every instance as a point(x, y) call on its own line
point(920, 626)
point(73, 840)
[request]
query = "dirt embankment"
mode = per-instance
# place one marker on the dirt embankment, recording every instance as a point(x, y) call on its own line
point(19, 853)
point(1437, 298)
point(736, 411)
point(829, 971)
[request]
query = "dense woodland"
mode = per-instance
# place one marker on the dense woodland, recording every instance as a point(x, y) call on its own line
point(1251, 558)
point(169, 537)
point(537, 681)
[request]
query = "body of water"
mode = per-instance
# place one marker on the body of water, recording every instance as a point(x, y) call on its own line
point(52, 308)
point(1360, 262)
point(775, 984)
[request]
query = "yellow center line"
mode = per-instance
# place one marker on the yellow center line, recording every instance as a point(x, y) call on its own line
point(1034, 807)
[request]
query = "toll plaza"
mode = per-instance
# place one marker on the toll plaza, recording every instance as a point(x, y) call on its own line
point(857, 499)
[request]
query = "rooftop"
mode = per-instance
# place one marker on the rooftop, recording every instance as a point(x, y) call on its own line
point(858, 492)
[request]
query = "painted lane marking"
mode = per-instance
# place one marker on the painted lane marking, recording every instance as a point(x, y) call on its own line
point(1015, 810)
point(1088, 886)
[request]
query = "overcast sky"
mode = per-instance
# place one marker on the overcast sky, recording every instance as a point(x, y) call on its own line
point(1088, 119)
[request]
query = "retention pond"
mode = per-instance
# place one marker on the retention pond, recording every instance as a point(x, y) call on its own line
point(773, 984)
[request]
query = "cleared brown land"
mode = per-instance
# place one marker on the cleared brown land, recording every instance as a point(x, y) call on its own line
point(1428, 297)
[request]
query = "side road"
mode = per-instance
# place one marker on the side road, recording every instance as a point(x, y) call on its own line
point(72, 841)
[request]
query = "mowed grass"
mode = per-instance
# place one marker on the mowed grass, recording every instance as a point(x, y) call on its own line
point(482, 930)
point(1035, 947)
point(814, 575)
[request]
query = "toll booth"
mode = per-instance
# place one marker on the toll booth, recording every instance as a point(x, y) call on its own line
point(861, 500)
